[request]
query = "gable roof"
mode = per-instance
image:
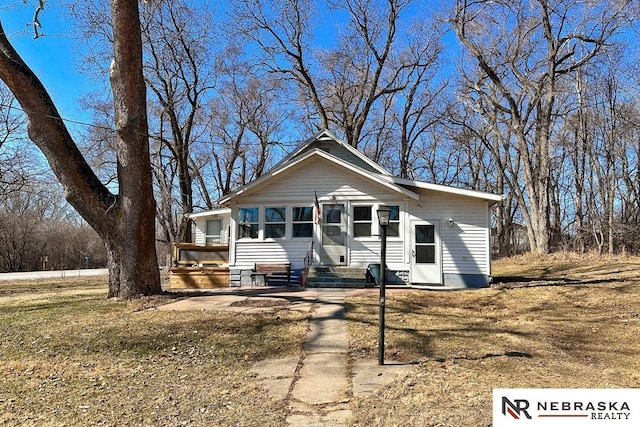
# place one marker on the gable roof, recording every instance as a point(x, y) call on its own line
point(327, 146)
point(312, 155)
point(326, 141)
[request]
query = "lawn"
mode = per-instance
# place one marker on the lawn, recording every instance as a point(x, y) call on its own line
point(553, 322)
point(71, 357)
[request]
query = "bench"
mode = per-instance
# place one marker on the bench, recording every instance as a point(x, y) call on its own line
point(272, 272)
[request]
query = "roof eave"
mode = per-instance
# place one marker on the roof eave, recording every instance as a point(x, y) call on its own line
point(210, 212)
point(490, 197)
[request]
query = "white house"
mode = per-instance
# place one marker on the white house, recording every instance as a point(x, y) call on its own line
point(320, 202)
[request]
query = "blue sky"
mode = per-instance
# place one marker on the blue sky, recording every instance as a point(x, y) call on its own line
point(51, 57)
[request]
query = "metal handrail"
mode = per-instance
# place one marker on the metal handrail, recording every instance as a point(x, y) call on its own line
point(308, 262)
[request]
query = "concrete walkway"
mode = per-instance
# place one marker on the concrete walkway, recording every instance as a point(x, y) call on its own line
point(318, 386)
point(320, 394)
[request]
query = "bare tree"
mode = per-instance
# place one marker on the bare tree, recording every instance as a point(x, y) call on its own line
point(401, 124)
point(612, 138)
point(39, 230)
point(282, 30)
point(125, 221)
point(245, 127)
point(485, 155)
point(179, 72)
point(522, 67)
point(629, 210)
point(22, 214)
point(339, 85)
point(13, 173)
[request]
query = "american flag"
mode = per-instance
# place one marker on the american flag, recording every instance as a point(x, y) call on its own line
point(318, 211)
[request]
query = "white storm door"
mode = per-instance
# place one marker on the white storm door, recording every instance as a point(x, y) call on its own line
point(425, 252)
point(334, 249)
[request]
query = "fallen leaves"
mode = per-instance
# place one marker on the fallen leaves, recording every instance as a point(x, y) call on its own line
point(521, 335)
point(77, 358)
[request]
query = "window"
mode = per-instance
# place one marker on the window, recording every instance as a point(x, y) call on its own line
point(362, 221)
point(425, 247)
point(275, 221)
point(248, 223)
point(214, 231)
point(393, 230)
point(303, 221)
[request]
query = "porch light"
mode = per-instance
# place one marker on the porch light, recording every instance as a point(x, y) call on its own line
point(383, 220)
point(383, 215)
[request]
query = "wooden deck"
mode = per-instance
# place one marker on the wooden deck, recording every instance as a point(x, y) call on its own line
point(200, 267)
point(199, 278)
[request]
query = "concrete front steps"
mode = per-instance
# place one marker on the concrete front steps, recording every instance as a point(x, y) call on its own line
point(336, 277)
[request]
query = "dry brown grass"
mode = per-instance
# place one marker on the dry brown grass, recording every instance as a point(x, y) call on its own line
point(558, 321)
point(69, 356)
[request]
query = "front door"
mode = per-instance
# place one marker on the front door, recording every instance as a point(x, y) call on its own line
point(333, 237)
point(425, 252)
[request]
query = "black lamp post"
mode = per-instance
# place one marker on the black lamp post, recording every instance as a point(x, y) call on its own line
point(383, 220)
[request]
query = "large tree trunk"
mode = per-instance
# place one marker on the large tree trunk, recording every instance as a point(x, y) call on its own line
point(126, 222)
point(135, 228)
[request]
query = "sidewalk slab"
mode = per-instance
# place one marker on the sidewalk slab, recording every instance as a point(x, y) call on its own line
point(317, 386)
point(323, 379)
point(327, 331)
point(277, 375)
point(245, 300)
point(368, 376)
point(332, 418)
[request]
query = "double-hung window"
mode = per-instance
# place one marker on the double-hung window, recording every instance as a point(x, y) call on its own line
point(362, 221)
point(214, 231)
point(248, 223)
point(302, 221)
point(275, 222)
point(393, 230)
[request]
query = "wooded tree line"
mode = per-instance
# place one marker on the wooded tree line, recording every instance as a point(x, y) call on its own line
point(38, 230)
point(533, 99)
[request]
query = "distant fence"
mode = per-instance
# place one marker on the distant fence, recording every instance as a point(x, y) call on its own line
point(55, 274)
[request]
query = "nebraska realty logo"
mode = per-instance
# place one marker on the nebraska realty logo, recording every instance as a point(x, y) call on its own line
point(566, 407)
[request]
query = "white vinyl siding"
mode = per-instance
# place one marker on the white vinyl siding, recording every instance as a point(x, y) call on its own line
point(199, 237)
point(465, 245)
point(247, 253)
point(329, 182)
point(364, 253)
point(298, 186)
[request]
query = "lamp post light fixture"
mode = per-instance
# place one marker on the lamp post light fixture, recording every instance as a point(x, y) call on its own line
point(383, 220)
